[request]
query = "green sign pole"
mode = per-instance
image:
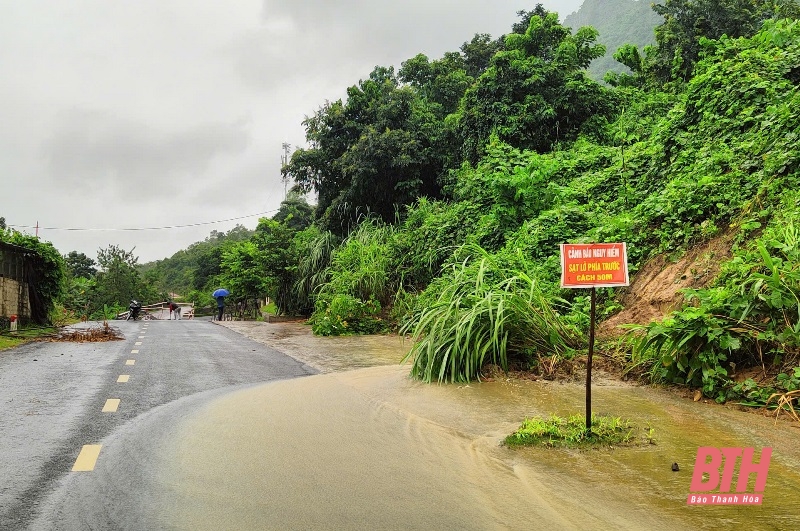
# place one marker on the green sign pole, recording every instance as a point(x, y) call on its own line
point(589, 367)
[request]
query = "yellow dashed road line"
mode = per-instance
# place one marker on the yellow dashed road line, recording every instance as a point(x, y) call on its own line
point(134, 351)
point(130, 362)
point(123, 378)
point(87, 458)
point(138, 343)
point(112, 404)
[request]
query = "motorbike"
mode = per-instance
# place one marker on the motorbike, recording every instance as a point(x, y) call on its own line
point(134, 309)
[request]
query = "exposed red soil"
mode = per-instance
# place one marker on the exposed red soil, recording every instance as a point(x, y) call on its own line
point(655, 289)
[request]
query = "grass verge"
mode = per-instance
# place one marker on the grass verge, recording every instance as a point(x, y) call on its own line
point(12, 339)
point(570, 432)
point(7, 342)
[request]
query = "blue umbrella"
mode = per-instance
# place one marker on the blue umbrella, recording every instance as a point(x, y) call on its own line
point(221, 292)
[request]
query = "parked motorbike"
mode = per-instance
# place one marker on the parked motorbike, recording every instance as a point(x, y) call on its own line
point(134, 309)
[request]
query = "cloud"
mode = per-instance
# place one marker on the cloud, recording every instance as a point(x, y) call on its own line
point(170, 112)
point(100, 149)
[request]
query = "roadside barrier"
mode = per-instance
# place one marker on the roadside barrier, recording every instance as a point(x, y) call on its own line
point(161, 311)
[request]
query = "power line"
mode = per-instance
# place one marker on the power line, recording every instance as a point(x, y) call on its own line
point(146, 228)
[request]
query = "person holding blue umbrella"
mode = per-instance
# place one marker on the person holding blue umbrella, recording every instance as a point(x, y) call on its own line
point(220, 295)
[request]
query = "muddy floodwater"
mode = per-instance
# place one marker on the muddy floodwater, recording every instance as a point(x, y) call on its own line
point(361, 446)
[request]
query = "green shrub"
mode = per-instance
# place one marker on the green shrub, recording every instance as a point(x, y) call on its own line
point(571, 432)
point(362, 266)
point(429, 234)
point(346, 315)
point(313, 248)
point(484, 313)
point(752, 317)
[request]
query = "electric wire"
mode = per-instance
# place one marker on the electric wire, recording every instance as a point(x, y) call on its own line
point(85, 229)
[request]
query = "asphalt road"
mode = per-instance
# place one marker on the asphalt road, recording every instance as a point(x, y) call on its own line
point(64, 405)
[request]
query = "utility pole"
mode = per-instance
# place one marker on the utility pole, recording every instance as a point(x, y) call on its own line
point(284, 163)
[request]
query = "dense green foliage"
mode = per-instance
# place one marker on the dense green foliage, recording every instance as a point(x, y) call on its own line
point(370, 154)
point(485, 312)
point(103, 292)
point(118, 281)
point(45, 271)
point(80, 265)
point(535, 92)
point(687, 22)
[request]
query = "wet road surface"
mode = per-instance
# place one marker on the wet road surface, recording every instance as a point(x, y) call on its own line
point(371, 449)
point(53, 396)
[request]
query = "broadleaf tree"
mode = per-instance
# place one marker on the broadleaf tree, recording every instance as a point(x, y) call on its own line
point(535, 93)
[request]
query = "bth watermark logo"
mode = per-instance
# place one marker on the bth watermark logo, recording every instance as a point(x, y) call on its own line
point(716, 490)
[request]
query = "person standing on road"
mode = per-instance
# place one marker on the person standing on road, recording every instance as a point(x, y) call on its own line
point(175, 310)
point(220, 307)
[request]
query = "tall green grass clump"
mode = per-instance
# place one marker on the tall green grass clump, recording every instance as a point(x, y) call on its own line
point(358, 283)
point(485, 313)
point(314, 250)
point(362, 266)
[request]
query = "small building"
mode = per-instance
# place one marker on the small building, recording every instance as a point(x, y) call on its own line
point(14, 288)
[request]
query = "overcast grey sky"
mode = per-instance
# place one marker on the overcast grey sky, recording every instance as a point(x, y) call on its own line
point(127, 114)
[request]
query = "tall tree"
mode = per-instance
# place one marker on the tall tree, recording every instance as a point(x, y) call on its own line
point(243, 271)
point(478, 53)
point(441, 83)
point(685, 22)
point(118, 280)
point(79, 265)
point(369, 155)
point(273, 239)
point(535, 93)
point(295, 212)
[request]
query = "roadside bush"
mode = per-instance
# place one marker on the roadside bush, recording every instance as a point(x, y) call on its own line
point(750, 318)
point(363, 266)
point(313, 248)
point(345, 315)
point(485, 313)
point(428, 236)
point(359, 281)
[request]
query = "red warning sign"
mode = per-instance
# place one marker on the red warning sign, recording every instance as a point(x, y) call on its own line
point(594, 265)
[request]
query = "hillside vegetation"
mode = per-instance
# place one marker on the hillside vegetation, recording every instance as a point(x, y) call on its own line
point(446, 187)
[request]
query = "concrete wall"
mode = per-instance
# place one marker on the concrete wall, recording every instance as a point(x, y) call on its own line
point(9, 298)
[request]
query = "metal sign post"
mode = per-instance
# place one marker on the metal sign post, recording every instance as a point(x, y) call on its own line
point(593, 265)
point(589, 366)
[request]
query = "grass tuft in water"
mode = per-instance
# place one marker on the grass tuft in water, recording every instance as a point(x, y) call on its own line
point(570, 432)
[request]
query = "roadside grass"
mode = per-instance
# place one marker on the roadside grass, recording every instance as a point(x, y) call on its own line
point(12, 339)
point(7, 342)
point(570, 432)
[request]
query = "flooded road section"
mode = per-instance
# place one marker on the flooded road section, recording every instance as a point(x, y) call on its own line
point(371, 449)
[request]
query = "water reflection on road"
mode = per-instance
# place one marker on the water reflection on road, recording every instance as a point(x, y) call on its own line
point(371, 449)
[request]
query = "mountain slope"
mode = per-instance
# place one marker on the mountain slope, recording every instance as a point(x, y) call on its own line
point(619, 22)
